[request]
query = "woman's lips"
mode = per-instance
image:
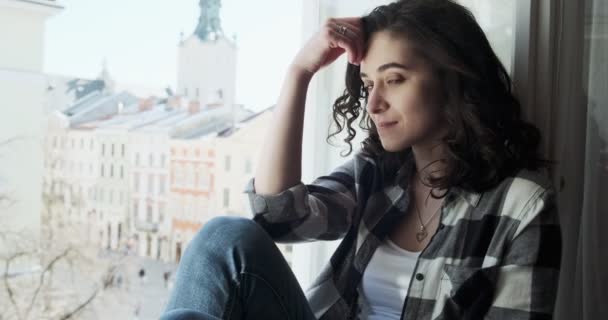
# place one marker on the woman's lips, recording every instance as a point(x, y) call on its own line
point(386, 124)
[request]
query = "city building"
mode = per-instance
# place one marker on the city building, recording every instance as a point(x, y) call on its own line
point(150, 171)
point(192, 183)
point(237, 151)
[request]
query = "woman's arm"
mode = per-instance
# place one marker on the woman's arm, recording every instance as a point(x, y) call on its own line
point(286, 208)
point(280, 160)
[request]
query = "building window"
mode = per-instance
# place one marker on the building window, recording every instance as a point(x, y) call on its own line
point(103, 149)
point(162, 160)
point(158, 247)
point(112, 152)
point(135, 209)
point(191, 183)
point(101, 172)
point(161, 212)
point(149, 213)
point(150, 183)
point(151, 160)
point(186, 92)
point(137, 159)
point(148, 245)
point(197, 92)
point(119, 232)
point(204, 181)
point(179, 175)
point(227, 163)
point(111, 170)
point(226, 197)
point(122, 150)
point(162, 184)
point(122, 172)
point(136, 182)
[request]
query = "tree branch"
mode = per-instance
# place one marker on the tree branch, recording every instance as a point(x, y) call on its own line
point(48, 267)
point(72, 313)
point(9, 289)
point(106, 282)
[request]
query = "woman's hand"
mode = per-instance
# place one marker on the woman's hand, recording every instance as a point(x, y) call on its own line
point(338, 35)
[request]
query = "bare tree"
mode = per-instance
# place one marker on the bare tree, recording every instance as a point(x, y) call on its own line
point(53, 274)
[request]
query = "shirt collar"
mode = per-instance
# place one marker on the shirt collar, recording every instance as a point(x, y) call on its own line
point(471, 197)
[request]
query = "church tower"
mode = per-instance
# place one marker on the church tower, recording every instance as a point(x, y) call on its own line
point(207, 61)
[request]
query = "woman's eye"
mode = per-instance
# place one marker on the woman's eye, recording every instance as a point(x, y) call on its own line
point(365, 90)
point(394, 81)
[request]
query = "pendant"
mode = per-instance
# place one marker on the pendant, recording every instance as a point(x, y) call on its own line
point(421, 235)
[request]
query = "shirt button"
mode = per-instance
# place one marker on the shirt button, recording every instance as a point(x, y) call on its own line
point(419, 276)
point(259, 204)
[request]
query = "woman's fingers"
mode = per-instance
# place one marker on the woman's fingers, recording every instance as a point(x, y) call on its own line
point(341, 41)
point(336, 36)
point(355, 27)
point(346, 36)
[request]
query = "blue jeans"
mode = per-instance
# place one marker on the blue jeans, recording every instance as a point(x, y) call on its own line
point(233, 270)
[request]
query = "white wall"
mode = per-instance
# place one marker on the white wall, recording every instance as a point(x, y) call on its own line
point(21, 100)
point(21, 161)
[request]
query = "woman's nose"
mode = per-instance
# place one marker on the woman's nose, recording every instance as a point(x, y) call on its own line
point(375, 102)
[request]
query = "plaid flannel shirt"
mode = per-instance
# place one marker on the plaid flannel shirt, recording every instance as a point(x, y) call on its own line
point(495, 255)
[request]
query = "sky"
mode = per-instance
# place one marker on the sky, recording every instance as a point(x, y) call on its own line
point(138, 39)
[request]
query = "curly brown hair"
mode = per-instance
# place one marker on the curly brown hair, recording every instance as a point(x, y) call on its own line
point(487, 138)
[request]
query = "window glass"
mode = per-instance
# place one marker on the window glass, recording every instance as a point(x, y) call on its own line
point(497, 19)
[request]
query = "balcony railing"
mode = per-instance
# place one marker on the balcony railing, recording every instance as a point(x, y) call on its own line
point(146, 226)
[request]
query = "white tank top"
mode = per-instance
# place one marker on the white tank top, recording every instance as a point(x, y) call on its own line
point(385, 282)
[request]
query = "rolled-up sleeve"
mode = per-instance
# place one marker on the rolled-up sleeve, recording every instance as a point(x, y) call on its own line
point(322, 210)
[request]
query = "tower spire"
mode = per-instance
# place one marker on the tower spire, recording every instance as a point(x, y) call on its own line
point(209, 24)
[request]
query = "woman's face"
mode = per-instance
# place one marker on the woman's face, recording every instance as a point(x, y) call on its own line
point(404, 95)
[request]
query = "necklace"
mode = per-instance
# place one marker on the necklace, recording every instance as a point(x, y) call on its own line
point(423, 233)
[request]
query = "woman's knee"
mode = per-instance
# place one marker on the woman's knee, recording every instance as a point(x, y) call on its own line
point(229, 231)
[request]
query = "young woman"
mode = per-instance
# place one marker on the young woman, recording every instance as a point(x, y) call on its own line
point(442, 213)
